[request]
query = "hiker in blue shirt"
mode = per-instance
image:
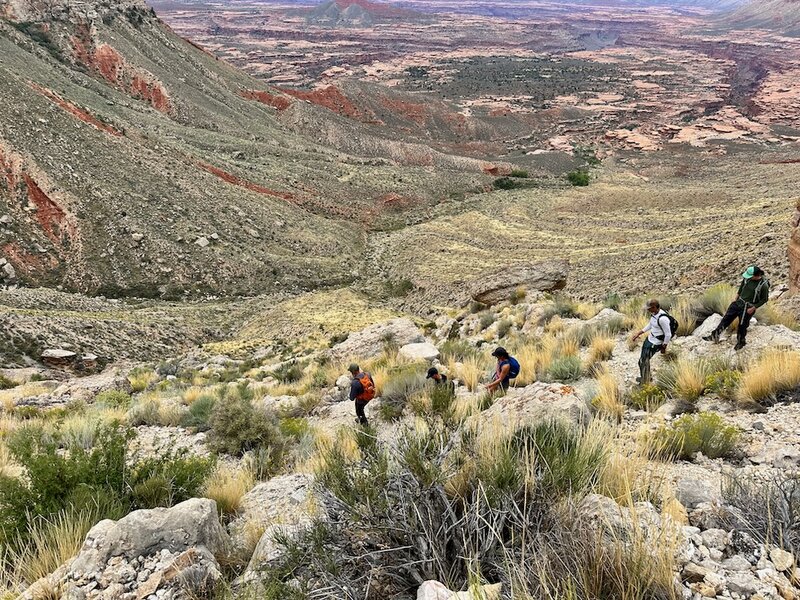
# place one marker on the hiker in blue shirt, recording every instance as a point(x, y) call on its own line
point(506, 370)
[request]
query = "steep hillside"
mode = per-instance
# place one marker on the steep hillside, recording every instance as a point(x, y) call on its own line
point(778, 15)
point(134, 163)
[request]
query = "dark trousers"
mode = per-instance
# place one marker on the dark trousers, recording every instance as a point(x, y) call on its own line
point(737, 310)
point(648, 351)
point(362, 416)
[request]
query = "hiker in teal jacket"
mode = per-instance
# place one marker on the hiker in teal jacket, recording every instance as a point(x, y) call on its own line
point(753, 294)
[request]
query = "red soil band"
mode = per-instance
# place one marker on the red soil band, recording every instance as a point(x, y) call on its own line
point(272, 100)
point(253, 187)
point(75, 111)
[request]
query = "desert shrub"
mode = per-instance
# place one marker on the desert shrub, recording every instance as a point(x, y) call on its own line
point(6, 383)
point(724, 383)
point(145, 412)
point(646, 397)
point(141, 378)
point(198, 416)
point(503, 328)
point(113, 399)
point(397, 392)
point(237, 426)
point(684, 379)
point(505, 183)
point(518, 295)
point(475, 307)
point(520, 173)
point(774, 372)
point(290, 372)
point(457, 350)
point(703, 432)
point(486, 320)
point(167, 479)
point(338, 338)
point(562, 307)
point(444, 509)
point(613, 300)
point(715, 299)
point(398, 289)
point(439, 401)
point(565, 368)
point(579, 178)
point(770, 509)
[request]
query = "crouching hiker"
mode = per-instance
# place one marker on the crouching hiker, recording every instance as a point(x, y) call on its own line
point(753, 294)
point(506, 370)
point(362, 390)
point(440, 380)
point(660, 334)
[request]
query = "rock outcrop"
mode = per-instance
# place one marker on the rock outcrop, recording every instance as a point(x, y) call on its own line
point(371, 341)
point(168, 553)
point(794, 253)
point(498, 285)
point(537, 402)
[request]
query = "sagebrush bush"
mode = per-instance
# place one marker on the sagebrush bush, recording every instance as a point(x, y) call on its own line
point(504, 327)
point(198, 416)
point(703, 432)
point(290, 372)
point(518, 295)
point(724, 383)
point(646, 397)
point(486, 320)
point(113, 399)
point(457, 350)
point(561, 307)
point(565, 369)
point(238, 427)
point(6, 383)
point(142, 378)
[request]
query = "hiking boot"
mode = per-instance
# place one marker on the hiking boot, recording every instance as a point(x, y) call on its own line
point(740, 344)
point(712, 337)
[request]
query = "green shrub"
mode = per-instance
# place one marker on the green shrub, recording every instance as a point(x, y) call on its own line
point(198, 416)
point(145, 412)
point(338, 338)
point(715, 299)
point(505, 183)
point(288, 372)
point(519, 173)
point(237, 426)
point(398, 289)
point(579, 178)
point(486, 320)
point(476, 307)
point(646, 397)
point(397, 392)
point(562, 307)
point(565, 368)
point(6, 383)
point(613, 301)
point(113, 399)
point(724, 383)
point(566, 463)
point(703, 432)
point(457, 350)
point(168, 479)
point(503, 328)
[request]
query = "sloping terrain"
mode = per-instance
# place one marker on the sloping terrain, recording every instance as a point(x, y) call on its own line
point(134, 163)
point(778, 15)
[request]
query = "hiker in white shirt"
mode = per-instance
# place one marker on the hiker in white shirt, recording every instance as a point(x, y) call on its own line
point(660, 334)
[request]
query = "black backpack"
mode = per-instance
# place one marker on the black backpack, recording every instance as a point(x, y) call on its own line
point(673, 323)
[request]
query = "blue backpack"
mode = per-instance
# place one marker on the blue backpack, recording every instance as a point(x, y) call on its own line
point(514, 370)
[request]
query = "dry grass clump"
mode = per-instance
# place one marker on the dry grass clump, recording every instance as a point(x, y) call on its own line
point(684, 312)
point(601, 348)
point(770, 314)
point(608, 398)
point(471, 371)
point(773, 372)
point(192, 393)
point(227, 486)
point(716, 299)
point(684, 378)
point(141, 379)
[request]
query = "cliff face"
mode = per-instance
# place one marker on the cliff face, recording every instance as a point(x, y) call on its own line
point(794, 253)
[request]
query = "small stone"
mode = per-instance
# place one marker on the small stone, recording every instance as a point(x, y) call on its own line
point(202, 242)
point(694, 573)
point(743, 583)
point(214, 236)
point(758, 426)
point(6, 219)
point(705, 590)
point(782, 559)
point(137, 237)
point(715, 538)
point(737, 563)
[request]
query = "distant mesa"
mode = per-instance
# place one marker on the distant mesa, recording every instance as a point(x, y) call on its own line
point(356, 13)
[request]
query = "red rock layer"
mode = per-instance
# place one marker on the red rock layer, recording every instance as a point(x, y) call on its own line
point(794, 253)
point(272, 100)
point(75, 111)
point(328, 97)
point(233, 179)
